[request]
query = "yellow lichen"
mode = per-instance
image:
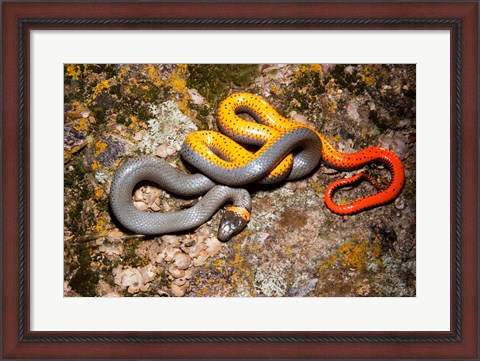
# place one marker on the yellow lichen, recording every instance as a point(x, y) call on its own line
point(332, 107)
point(95, 165)
point(178, 78)
point(99, 192)
point(100, 147)
point(355, 254)
point(316, 186)
point(218, 264)
point(343, 201)
point(82, 124)
point(178, 83)
point(74, 71)
point(154, 75)
point(337, 138)
point(316, 67)
point(329, 262)
point(368, 74)
point(99, 88)
point(100, 225)
point(123, 70)
point(305, 68)
point(275, 90)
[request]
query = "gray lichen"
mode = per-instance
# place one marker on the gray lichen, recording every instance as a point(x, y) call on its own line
point(169, 125)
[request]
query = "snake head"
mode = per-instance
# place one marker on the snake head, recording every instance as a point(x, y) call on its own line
point(233, 222)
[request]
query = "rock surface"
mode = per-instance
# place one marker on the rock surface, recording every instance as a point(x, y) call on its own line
point(293, 245)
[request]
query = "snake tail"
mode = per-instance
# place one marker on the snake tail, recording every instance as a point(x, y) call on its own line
point(358, 160)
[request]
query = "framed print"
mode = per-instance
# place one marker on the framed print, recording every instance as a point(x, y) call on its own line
point(342, 138)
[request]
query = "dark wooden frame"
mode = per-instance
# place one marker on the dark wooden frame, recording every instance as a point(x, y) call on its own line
point(461, 18)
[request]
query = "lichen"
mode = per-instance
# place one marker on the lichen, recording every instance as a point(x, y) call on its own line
point(271, 280)
point(355, 254)
point(169, 125)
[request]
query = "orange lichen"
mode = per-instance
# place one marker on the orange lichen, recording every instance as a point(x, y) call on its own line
point(332, 107)
point(328, 101)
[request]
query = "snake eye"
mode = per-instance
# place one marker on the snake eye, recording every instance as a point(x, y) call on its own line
point(232, 223)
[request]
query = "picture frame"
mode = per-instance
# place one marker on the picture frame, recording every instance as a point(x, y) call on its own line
point(18, 341)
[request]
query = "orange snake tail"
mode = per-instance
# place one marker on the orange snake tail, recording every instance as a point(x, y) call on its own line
point(357, 160)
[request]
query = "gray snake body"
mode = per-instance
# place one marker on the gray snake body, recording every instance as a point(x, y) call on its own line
point(135, 170)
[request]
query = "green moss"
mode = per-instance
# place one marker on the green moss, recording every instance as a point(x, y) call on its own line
point(305, 89)
point(72, 218)
point(110, 70)
point(373, 117)
point(76, 174)
point(214, 81)
point(353, 81)
point(151, 94)
point(115, 90)
point(74, 182)
point(84, 282)
point(103, 205)
point(129, 255)
point(144, 113)
point(121, 119)
point(72, 96)
point(201, 114)
point(162, 278)
point(99, 114)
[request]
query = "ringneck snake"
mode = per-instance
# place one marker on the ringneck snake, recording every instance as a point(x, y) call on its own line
point(287, 150)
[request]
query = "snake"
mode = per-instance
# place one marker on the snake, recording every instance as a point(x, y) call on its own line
point(269, 149)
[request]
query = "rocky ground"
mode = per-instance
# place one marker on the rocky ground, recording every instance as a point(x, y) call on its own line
point(293, 245)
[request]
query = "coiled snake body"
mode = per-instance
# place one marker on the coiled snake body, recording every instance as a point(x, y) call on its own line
point(288, 150)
